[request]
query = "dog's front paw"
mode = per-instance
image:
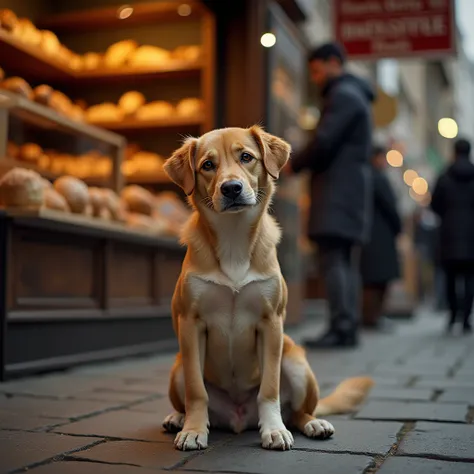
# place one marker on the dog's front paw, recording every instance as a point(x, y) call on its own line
point(174, 423)
point(280, 439)
point(321, 429)
point(190, 440)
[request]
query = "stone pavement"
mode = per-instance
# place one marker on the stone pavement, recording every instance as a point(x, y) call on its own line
point(106, 419)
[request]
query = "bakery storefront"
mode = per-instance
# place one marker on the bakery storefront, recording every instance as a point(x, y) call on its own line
point(93, 96)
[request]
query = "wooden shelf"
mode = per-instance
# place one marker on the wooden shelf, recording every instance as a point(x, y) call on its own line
point(29, 61)
point(133, 125)
point(108, 17)
point(150, 178)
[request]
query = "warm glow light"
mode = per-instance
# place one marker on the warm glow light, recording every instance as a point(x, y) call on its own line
point(409, 176)
point(124, 12)
point(268, 40)
point(414, 196)
point(448, 128)
point(395, 158)
point(184, 9)
point(420, 186)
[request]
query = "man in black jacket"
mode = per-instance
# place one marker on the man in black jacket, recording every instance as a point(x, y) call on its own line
point(338, 159)
point(453, 201)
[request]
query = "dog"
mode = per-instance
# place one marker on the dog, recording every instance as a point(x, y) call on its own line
point(235, 368)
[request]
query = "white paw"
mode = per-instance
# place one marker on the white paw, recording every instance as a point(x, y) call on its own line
point(174, 422)
point(191, 440)
point(280, 439)
point(321, 429)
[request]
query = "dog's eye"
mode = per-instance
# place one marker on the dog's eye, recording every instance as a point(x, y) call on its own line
point(208, 165)
point(246, 157)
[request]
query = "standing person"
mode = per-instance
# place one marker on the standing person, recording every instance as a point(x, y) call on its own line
point(338, 158)
point(379, 258)
point(453, 201)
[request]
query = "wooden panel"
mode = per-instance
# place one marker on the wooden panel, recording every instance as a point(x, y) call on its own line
point(53, 270)
point(168, 270)
point(130, 276)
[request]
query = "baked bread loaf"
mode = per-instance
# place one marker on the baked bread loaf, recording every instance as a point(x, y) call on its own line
point(117, 54)
point(26, 32)
point(8, 20)
point(155, 110)
point(18, 86)
point(42, 94)
point(91, 61)
point(138, 199)
point(106, 112)
point(30, 152)
point(131, 101)
point(187, 53)
point(189, 107)
point(21, 188)
point(50, 44)
point(54, 200)
point(98, 203)
point(60, 103)
point(74, 191)
point(149, 56)
point(114, 205)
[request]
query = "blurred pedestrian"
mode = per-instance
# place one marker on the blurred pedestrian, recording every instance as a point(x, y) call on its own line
point(453, 201)
point(338, 158)
point(379, 257)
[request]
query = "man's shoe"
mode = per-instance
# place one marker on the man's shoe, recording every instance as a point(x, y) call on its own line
point(333, 339)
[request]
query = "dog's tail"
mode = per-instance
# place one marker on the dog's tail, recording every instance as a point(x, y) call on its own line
point(346, 398)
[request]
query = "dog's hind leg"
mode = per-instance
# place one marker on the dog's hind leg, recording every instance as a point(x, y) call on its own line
point(174, 422)
point(302, 392)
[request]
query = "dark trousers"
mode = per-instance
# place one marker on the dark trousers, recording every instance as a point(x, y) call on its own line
point(339, 269)
point(460, 289)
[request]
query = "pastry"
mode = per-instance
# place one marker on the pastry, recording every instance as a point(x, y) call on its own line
point(187, 53)
point(8, 20)
point(50, 44)
point(155, 110)
point(98, 202)
point(75, 62)
point(189, 107)
point(18, 86)
point(149, 56)
point(117, 54)
point(74, 191)
point(138, 199)
point(21, 188)
point(26, 32)
point(91, 61)
point(131, 101)
point(54, 200)
point(30, 152)
point(42, 94)
point(60, 103)
point(105, 112)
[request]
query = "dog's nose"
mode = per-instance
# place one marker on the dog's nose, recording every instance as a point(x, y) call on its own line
point(231, 189)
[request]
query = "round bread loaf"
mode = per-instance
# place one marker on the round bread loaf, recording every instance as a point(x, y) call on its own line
point(155, 110)
point(187, 53)
point(117, 54)
point(131, 101)
point(149, 56)
point(74, 191)
point(138, 199)
point(8, 20)
point(189, 107)
point(54, 200)
point(42, 94)
point(21, 188)
point(18, 86)
point(106, 112)
point(114, 204)
point(50, 44)
point(30, 152)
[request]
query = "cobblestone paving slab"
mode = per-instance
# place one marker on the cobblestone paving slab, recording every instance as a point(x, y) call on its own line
point(74, 467)
point(385, 410)
point(261, 461)
point(458, 395)
point(440, 440)
point(19, 449)
point(408, 394)
point(424, 466)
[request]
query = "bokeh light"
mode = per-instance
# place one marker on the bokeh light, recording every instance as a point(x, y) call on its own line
point(395, 158)
point(448, 128)
point(268, 40)
point(420, 186)
point(409, 176)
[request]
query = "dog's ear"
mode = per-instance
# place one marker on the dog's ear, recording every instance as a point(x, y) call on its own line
point(180, 166)
point(274, 150)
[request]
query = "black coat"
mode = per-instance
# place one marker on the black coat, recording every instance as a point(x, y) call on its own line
point(453, 201)
point(379, 258)
point(338, 157)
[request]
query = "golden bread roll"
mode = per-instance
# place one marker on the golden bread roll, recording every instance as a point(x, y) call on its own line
point(8, 20)
point(13, 150)
point(21, 188)
point(117, 54)
point(42, 94)
point(75, 62)
point(138, 199)
point(74, 191)
point(26, 32)
point(46, 184)
point(155, 110)
point(18, 86)
point(30, 152)
point(98, 202)
point(76, 113)
point(44, 161)
point(91, 61)
point(50, 44)
point(60, 103)
point(141, 222)
point(106, 112)
point(114, 204)
point(149, 56)
point(131, 101)
point(54, 200)
point(189, 107)
point(187, 53)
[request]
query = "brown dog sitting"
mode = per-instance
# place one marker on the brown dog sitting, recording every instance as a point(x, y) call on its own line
point(236, 369)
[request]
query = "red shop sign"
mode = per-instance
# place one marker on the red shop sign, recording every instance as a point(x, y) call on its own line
point(371, 29)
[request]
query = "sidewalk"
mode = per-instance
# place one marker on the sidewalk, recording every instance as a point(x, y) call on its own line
point(106, 419)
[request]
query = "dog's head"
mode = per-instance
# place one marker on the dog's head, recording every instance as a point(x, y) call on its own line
point(229, 170)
